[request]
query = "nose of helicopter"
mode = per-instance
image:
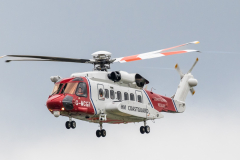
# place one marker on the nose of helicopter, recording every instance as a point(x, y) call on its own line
point(60, 102)
point(55, 102)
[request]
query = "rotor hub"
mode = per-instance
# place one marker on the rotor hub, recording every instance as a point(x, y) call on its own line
point(102, 60)
point(101, 55)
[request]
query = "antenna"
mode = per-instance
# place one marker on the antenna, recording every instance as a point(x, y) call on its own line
point(152, 88)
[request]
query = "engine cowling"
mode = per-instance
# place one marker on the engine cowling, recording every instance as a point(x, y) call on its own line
point(127, 78)
point(114, 76)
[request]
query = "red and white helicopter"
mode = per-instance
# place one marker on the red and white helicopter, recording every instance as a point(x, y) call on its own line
point(114, 97)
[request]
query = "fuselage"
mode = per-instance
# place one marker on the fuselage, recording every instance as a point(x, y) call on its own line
point(88, 95)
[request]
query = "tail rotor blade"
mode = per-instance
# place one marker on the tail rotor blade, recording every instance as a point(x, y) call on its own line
point(179, 71)
point(193, 66)
point(192, 91)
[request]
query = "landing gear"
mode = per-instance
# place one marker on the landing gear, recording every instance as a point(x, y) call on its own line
point(98, 133)
point(145, 128)
point(70, 124)
point(73, 124)
point(142, 129)
point(101, 132)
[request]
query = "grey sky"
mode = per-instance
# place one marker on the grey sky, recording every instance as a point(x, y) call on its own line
point(208, 129)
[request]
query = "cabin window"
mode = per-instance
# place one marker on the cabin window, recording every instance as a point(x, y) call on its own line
point(70, 88)
point(132, 98)
point(126, 97)
point(119, 95)
point(139, 98)
point(82, 89)
point(101, 92)
point(112, 95)
point(106, 93)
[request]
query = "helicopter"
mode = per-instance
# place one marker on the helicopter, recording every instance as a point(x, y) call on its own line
point(101, 96)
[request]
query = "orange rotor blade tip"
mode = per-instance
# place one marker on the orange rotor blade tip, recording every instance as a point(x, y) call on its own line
point(196, 42)
point(197, 59)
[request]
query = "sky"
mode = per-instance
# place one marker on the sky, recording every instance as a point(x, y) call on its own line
point(208, 129)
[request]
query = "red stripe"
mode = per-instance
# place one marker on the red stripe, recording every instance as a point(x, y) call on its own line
point(131, 58)
point(175, 52)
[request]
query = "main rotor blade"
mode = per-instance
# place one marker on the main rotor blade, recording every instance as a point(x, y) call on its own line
point(46, 58)
point(156, 54)
point(27, 60)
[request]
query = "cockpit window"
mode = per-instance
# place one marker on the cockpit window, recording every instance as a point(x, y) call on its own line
point(70, 88)
point(59, 88)
point(82, 89)
point(64, 87)
point(55, 88)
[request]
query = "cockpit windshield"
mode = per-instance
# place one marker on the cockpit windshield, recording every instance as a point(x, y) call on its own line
point(70, 88)
point(80, 89)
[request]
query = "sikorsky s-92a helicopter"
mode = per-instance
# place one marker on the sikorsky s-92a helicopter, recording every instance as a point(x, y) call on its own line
point(101, 96)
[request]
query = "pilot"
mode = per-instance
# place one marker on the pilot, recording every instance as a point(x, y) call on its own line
point(80, 91)
point(101, 93)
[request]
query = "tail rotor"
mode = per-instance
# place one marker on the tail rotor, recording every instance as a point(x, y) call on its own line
point(186, 84)
point(192, 82)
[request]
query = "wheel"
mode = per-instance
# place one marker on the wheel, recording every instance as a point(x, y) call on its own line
point(73, 124)
point(98, 133)
point(142, 129)
point(147, 129)
point(68, 125)
point(103, 133)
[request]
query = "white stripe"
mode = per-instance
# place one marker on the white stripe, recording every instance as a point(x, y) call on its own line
point(148, 98)
point(190, 50)
point(90, 89)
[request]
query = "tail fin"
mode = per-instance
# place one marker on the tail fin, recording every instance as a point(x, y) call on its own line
point(186, 84)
